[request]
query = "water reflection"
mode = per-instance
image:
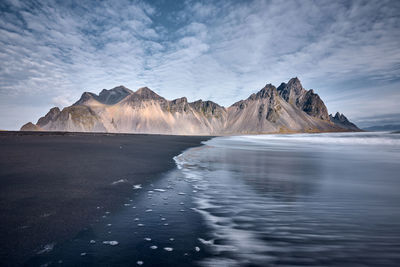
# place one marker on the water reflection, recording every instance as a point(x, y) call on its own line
point(328, 199)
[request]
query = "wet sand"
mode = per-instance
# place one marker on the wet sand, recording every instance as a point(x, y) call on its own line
point(55, 184)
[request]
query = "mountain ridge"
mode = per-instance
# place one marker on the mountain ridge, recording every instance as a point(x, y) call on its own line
point(286, 109)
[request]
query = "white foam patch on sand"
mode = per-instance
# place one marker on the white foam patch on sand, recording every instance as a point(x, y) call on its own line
point(137, 186)
point(178, 161)
point(119, 181)
point(159, 190)
point(111, 243)
point(47, 248)
point(206, 242)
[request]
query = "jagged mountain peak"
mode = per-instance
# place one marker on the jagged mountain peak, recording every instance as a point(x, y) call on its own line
point(50, 116)
point(338, 116)
point(145, 93)
point(295, 85)
point(55, 110)
point(205, 103)
point(144, 111)
point(118, 89)
point(121, 87)
point(341, 120)
point(313, 105)
point(208, 108)
point(267, 91)
point(108, 97)
point(295, 81)
point(85, 97)
point(292, 90)
point(114, 95)
point(180, 100)
point(295, 94)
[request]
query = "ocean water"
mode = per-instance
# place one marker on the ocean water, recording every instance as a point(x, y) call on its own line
point(304, 199)
point(265, 200)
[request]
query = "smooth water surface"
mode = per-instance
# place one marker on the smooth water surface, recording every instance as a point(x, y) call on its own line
point(320, 199)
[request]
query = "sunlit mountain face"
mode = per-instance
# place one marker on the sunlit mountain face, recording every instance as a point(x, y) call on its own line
point(287, 109)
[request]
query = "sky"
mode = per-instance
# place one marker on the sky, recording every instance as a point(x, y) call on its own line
point(53, 51)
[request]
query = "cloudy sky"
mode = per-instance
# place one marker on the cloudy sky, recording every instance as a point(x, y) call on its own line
point(347, 51)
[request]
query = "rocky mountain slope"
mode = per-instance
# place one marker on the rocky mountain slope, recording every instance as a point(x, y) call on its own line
point(288, 108)
point(342, 121)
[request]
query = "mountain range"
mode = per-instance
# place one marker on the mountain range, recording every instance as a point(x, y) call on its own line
point(288, 108)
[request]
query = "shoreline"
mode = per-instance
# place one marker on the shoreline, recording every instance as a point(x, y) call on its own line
point(55, 184)
point(66, 133)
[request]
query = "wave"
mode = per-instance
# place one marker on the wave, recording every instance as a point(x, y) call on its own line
point(264, 142)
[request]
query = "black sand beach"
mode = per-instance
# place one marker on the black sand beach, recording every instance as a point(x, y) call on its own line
point(54, 184)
